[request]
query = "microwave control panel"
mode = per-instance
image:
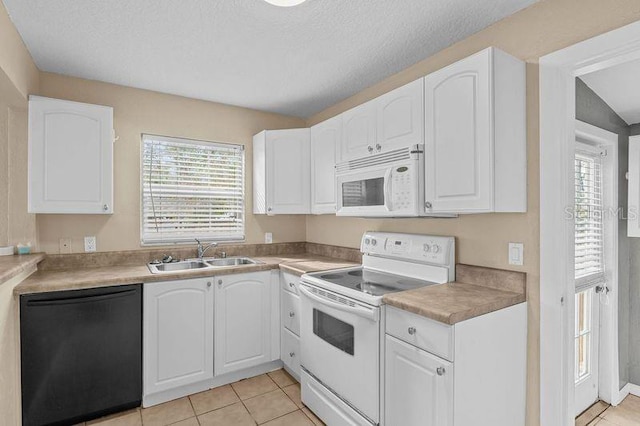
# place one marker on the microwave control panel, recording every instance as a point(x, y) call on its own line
point(420, 248)
point(402, 188)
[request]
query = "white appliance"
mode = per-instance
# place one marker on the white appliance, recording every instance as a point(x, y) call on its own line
point(389, 184)
point(340, 325)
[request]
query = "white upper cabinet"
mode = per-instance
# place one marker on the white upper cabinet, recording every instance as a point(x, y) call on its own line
point(281, 178)
point(475, 135)
point(393, 120)
point(244, 332)
point(400, 117)
point(70, 157)
point(325, 145)
point(633, 216)
point(178, 334)
point(358, 131)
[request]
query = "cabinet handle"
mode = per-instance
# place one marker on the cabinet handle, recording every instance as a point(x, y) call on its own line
point(269, 209)
point(378, 147)
point(292, 354)
point(292, 314)
point(105, 207)
point(291, 285)
point(427, 204)
point(370, 148)
point(412, 330)
point(208, 283)
point(219, 283)
point(440, 371)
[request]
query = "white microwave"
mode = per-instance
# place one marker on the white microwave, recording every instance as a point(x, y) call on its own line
point(389, 184)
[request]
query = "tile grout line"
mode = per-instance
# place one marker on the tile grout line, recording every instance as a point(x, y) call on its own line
point(193, 408)
point(242, 402)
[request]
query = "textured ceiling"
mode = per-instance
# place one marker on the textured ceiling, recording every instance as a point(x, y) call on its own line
point(618, 87)
point(295, 61)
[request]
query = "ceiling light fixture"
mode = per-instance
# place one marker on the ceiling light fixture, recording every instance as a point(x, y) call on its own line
point(285, 3)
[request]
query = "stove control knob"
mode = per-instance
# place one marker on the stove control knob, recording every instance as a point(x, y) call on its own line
point(367, 241)
point(426, 248)
point(435, 248)
point(374, 242)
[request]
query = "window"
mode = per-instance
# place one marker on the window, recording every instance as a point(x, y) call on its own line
point(191, 189)
point(589, 252)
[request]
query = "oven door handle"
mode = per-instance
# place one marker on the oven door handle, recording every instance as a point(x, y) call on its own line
point(370, 314)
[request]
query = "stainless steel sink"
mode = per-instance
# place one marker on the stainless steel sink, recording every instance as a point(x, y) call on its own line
point(196, 264)
point(185, 265)
point(231, 261)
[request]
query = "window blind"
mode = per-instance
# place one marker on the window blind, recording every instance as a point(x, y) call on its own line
point(191, 189)
point(589, 228)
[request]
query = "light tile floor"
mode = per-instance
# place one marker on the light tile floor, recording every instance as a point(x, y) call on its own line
point(627, 413)
point(271, 399)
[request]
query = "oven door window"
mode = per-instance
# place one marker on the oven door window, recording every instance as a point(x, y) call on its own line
point(361, 193)
point(333, 331)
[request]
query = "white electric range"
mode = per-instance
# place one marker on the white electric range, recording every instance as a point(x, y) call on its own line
point(341, 321)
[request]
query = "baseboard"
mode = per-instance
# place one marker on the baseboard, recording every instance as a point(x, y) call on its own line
point(627, 389)
point(225, 379)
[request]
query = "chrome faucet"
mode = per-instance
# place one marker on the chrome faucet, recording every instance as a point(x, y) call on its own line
point(202, 249)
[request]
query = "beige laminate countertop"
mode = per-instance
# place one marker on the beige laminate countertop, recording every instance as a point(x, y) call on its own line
point(74, 279)
point(476, 292)
point(10, 266)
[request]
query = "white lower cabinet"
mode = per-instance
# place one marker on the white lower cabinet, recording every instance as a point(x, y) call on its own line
point(243, 321)
point(418, 386)
point(178, 334)
point(486, 353)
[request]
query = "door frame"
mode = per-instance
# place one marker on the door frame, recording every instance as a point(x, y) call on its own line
point(557, 137)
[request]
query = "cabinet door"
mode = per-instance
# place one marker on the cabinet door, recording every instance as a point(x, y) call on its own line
point(178, 333)
point(70, 157)
point(458, 137)
point(242, 321)
point(287, 168)
point(418, 386)
point(358, 131)
point(400, 117)
point(325, 143)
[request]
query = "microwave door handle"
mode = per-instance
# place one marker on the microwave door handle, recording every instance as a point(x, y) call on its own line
point(387, 189)
point(370, 314)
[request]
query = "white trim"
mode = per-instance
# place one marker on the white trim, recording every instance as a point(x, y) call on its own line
point(557, 135)
point(627, 389)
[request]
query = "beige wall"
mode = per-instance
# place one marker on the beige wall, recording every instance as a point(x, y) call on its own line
point(482, 239)
point(15, 59)
point(141, 111)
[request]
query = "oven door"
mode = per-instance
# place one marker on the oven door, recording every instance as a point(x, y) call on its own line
point(364, 192)
point(339, 341)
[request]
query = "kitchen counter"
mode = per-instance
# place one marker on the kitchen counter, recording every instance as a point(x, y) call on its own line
point(476, 291)
point(79, 278)
point(10, 266)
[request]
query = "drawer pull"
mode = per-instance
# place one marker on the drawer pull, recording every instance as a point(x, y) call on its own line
point(292, 314)
point(412, 330)
point(291, 285)
point(292, 354)
point(440, 371)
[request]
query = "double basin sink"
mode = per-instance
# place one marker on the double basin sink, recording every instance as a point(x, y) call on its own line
point(195, 264)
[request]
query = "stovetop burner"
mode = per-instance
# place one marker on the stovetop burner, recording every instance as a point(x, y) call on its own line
point(372, 282)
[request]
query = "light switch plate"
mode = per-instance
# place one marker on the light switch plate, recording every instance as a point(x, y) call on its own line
point(89, 244)
point(65, 245)
point(268, 237)
point(516, 254)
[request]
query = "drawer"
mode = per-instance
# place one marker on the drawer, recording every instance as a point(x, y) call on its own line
point(289, 282)
point(290, 351)
point(427, 334)
point(290, 312)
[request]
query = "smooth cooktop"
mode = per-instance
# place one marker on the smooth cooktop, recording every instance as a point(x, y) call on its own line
point(371, 282)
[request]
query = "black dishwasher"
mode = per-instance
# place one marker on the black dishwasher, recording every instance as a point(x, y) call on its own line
point(81, 354)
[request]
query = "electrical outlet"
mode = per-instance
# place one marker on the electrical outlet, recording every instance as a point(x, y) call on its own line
point(89, 244)
point(268, 237)
point(65, 245)
point(516, 254)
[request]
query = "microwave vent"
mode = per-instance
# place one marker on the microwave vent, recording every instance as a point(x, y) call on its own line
point(380, 159)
